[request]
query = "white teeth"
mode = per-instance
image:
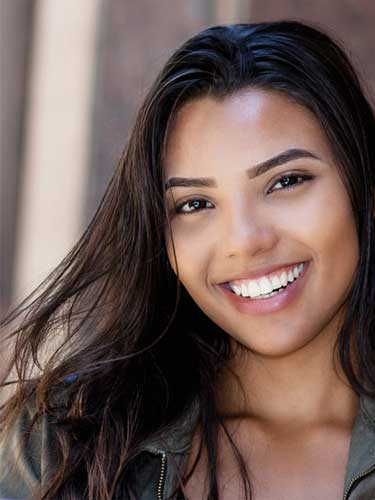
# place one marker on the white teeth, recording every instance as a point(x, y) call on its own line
point(253, 289)
point(265, 286)
point(284, 278)
point(276, 283)
point(268, 295)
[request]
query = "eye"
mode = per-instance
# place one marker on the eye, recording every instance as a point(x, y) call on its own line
point(290, 181)
point(287, 181)
point(190, 206)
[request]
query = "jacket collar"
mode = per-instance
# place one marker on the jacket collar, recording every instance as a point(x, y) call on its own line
point(177, 437)
point(362, 443)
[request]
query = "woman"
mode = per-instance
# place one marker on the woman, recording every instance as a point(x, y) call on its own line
point(215, 321)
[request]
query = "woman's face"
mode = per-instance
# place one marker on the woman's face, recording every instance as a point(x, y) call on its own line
point(263, 197)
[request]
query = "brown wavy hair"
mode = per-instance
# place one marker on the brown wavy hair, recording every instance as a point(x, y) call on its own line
point(111, 346)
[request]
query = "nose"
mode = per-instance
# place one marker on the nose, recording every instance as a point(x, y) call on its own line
point(248, 231)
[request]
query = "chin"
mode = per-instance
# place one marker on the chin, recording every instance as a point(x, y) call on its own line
point(273, 344)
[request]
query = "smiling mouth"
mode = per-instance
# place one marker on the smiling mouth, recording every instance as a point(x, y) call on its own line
point(266, 303)
point(262, 289)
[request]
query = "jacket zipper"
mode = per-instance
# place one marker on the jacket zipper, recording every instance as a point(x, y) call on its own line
point(163, 468)
point(355, 479)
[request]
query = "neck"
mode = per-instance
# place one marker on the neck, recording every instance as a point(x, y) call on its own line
point(305, 387)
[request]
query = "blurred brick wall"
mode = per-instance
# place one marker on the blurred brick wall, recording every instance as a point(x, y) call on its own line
point(350, 21)
point(15, 40)
point(134, 41)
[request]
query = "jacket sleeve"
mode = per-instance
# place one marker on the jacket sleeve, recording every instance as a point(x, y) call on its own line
point(21, 465)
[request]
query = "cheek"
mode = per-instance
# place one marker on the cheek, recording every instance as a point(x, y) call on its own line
point(328, 227)
point(342, 249)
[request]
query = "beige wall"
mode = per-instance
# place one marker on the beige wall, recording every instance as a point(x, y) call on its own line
point(57, 141)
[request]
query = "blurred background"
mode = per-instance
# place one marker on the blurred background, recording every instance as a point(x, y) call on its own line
point(73, 73)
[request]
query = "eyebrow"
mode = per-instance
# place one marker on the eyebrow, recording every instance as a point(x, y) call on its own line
point(252, 172)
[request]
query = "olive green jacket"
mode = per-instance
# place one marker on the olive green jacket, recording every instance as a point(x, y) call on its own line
point(22, 468)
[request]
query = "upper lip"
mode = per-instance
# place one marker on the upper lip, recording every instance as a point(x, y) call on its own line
point(261, 271)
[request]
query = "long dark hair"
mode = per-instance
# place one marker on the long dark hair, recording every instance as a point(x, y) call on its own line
point(136, 348)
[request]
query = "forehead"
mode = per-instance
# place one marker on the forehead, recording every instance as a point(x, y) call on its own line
point(256, 124)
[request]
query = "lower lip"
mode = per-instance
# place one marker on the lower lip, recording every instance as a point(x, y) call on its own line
point(272, 304)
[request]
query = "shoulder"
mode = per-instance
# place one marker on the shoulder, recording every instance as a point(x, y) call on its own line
point(26, 449)
point(28, 454)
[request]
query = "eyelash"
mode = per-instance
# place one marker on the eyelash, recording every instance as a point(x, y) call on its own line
point(304, 177)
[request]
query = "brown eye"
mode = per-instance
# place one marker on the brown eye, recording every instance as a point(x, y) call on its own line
point(290, 181)
point(192, 206)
